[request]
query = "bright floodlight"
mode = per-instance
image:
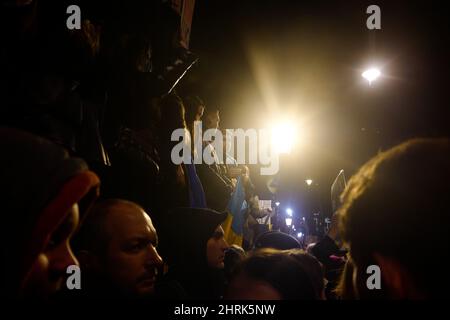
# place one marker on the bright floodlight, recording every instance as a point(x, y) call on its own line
point(309, 182)
point(277, 203)
point(299, 234)
point(371, 74)
point(283, 137)
point(288, 222)
point(289, 212)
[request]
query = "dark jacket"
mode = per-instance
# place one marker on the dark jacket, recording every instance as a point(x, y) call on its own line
point(217, 186)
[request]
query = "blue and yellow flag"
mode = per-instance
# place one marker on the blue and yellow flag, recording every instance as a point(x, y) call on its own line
point(234, 224)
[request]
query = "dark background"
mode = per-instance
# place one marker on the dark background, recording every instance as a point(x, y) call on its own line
point(313, 53)
point(263, 57)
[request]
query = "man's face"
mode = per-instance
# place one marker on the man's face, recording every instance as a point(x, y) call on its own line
point(212, 120)
point(131, 259)
point(199, 114)
point(215, 249)
point(49, 269)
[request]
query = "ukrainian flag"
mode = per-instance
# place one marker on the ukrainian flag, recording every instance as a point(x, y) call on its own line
point(233, 225)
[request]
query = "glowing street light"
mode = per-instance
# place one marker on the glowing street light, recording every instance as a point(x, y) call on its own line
point(371, 74)
point(289, 212)
point(309, 182)
point(300, 234)
point(288, 221)
point(277, 203)
point(283, 137)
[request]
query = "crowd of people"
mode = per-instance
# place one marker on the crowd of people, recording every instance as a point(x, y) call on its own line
point(87, 179)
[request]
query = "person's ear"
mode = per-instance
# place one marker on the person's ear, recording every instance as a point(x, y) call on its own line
point(396, 277)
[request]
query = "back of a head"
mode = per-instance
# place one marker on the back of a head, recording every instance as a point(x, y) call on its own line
point(192, 104)
point(32, 169)
point(233, 257)
point(277, 240)
point(172, 113)
point(397, 206)
point(279, 270)
point(313, 268)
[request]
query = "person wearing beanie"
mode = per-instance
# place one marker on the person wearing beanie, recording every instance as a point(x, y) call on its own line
point(44, 194)
point(195, 251)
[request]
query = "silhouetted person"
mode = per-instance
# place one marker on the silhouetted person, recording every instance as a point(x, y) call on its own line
point(269, 274)
point(195, 108)
point(44, 194)
point(277, 240)
point(217, 185)
point(345, 289)
point(181, 186)
point(333, 258)
point(196, 252)
point(313, 268)
point(233, 257)
point(395, 215)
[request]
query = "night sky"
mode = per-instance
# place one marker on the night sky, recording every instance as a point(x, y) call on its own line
point(311, 54)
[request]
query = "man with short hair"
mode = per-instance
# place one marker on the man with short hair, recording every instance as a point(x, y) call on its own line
point(116, 248)
point(395, 215)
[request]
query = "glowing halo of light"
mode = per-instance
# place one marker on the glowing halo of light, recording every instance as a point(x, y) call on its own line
point(371, 74)
point(283, 136)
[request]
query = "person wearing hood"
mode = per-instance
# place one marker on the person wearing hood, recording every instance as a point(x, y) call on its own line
point(195, 251)
point(45, 194)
